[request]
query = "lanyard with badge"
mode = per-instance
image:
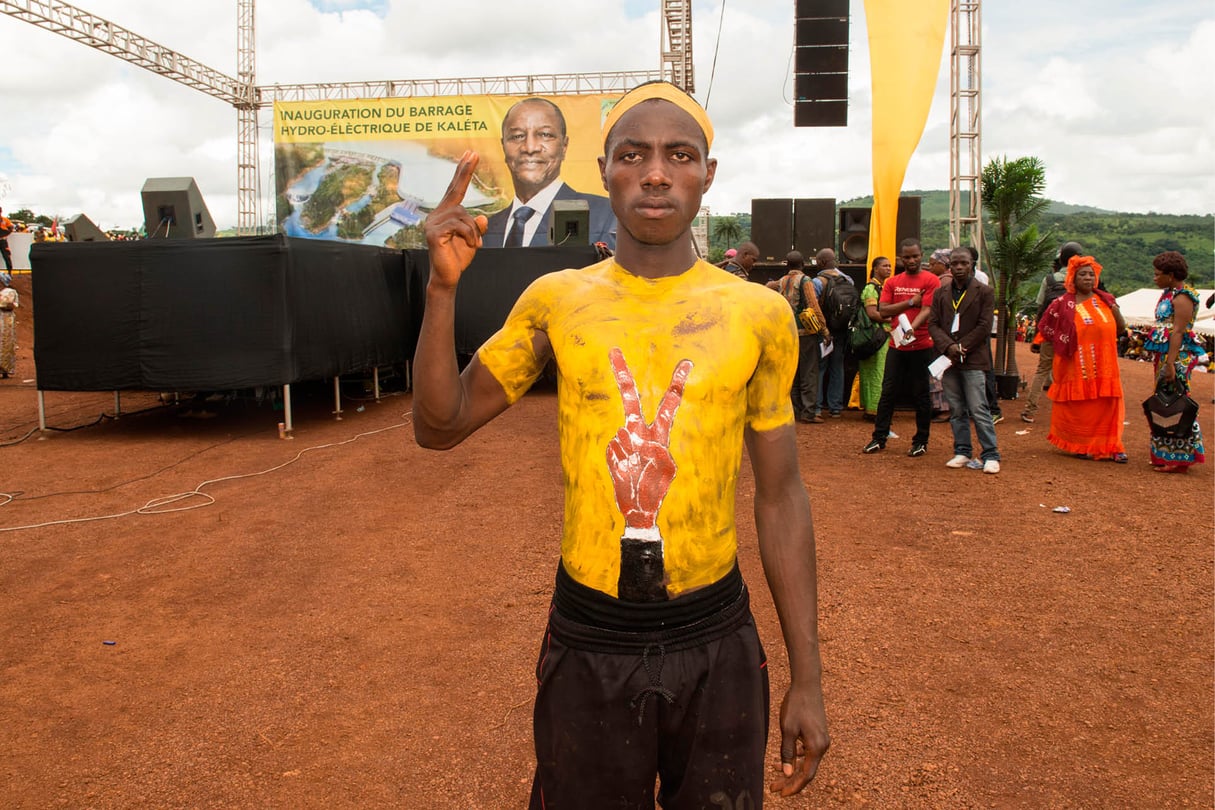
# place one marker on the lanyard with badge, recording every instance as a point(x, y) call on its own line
point(957, 321)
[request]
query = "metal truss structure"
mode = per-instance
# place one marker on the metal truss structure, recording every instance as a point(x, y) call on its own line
point(243, 93)
point(965, 124)
point(677, 43)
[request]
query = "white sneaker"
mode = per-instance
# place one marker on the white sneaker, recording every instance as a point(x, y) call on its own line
point(957, 462)
point(991, 467)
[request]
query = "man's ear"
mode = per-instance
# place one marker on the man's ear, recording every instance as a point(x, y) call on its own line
point(710, 173)
point(603, 172)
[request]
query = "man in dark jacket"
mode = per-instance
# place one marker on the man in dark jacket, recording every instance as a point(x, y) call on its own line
point(960, 322)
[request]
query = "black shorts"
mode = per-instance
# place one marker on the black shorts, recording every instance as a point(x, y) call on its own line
point(683, 704)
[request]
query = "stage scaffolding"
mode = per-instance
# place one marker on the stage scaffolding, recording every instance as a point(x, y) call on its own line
point(242, 92)
point(965, 119)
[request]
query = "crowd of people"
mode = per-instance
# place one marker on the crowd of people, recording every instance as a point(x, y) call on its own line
point(938, 360)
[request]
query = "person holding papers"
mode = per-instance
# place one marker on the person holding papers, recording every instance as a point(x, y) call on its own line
point(906, 299)
point(959, 321)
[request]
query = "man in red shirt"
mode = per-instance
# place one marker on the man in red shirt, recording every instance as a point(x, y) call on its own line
point(908, 293)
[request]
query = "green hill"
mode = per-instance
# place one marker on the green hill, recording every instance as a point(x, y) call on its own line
point(935, 205)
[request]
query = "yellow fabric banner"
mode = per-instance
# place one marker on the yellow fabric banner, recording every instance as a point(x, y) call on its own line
point(906, 41)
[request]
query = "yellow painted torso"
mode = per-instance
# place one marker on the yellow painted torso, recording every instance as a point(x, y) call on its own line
point(741, 341)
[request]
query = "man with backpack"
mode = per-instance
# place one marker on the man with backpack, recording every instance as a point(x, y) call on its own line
point(839, 299)
point(1051, 288)
point(798, 290)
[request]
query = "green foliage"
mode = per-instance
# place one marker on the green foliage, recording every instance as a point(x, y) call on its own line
point(1013, 248)
point(728, 231)
point(1125, 244)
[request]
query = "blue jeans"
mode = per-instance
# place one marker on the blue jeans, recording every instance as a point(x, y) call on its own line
point(833, 395)
point(966, 391)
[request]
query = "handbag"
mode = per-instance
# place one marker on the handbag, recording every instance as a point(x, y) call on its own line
point(865, 337)
point(1170, 411)
point(807, 317)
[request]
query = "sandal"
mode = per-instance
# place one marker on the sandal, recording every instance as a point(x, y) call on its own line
point(1170, 468)
point(1120, 458)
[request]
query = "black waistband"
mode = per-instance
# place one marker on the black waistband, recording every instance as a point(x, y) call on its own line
point(588, 619)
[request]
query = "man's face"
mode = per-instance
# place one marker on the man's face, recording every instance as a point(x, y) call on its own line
point(534, 147)
point(910, 257)
point(655, 172)
point(960, 266)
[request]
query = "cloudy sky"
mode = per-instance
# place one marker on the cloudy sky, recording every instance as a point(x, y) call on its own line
point(1115, 96)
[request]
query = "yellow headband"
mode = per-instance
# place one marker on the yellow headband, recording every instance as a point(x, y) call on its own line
point(667, 92)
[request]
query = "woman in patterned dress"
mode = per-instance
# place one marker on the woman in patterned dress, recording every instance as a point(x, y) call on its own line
point(1176, 351)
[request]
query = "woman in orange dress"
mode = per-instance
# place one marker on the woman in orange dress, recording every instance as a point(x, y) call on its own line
point(1083, 326)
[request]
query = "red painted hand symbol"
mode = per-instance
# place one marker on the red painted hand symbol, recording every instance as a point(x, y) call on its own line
point(639, 458)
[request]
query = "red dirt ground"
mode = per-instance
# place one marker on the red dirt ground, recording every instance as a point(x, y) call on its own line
point(357, 626)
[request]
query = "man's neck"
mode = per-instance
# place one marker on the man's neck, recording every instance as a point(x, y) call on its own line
point(655, 261)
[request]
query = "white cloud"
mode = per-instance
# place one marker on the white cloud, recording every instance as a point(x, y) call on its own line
point(1114, 96)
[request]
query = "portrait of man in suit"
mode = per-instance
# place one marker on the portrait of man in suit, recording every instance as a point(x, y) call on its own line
point(534, 142)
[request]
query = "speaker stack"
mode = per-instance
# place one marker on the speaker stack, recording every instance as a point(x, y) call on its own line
point(854, 235)
point(820, 80)
point(805, 224)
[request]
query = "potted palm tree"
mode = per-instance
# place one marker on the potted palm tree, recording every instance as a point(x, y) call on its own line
point(1013, 249)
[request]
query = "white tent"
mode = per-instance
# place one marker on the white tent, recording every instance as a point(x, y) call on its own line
point(1139, 309)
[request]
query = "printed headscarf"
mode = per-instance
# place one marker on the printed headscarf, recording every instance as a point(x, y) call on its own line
point(1058, 323)
point(1074, 264)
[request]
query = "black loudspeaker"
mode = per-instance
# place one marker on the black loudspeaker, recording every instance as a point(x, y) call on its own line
point(569, 223)
point(822, 8)
point(854, 231)
point(859, 273)
point(813, 225)
point(772, 228)
point(81, 229)
point(907, 226)
point(173, 208)
point(820, 63)
point(854, 236)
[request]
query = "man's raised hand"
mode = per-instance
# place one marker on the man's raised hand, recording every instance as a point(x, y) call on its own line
point(452, 236)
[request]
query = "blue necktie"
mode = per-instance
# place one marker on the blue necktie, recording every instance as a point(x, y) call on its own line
point(515, 237)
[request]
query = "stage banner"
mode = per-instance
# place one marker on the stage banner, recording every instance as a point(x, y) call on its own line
point(369, 170)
